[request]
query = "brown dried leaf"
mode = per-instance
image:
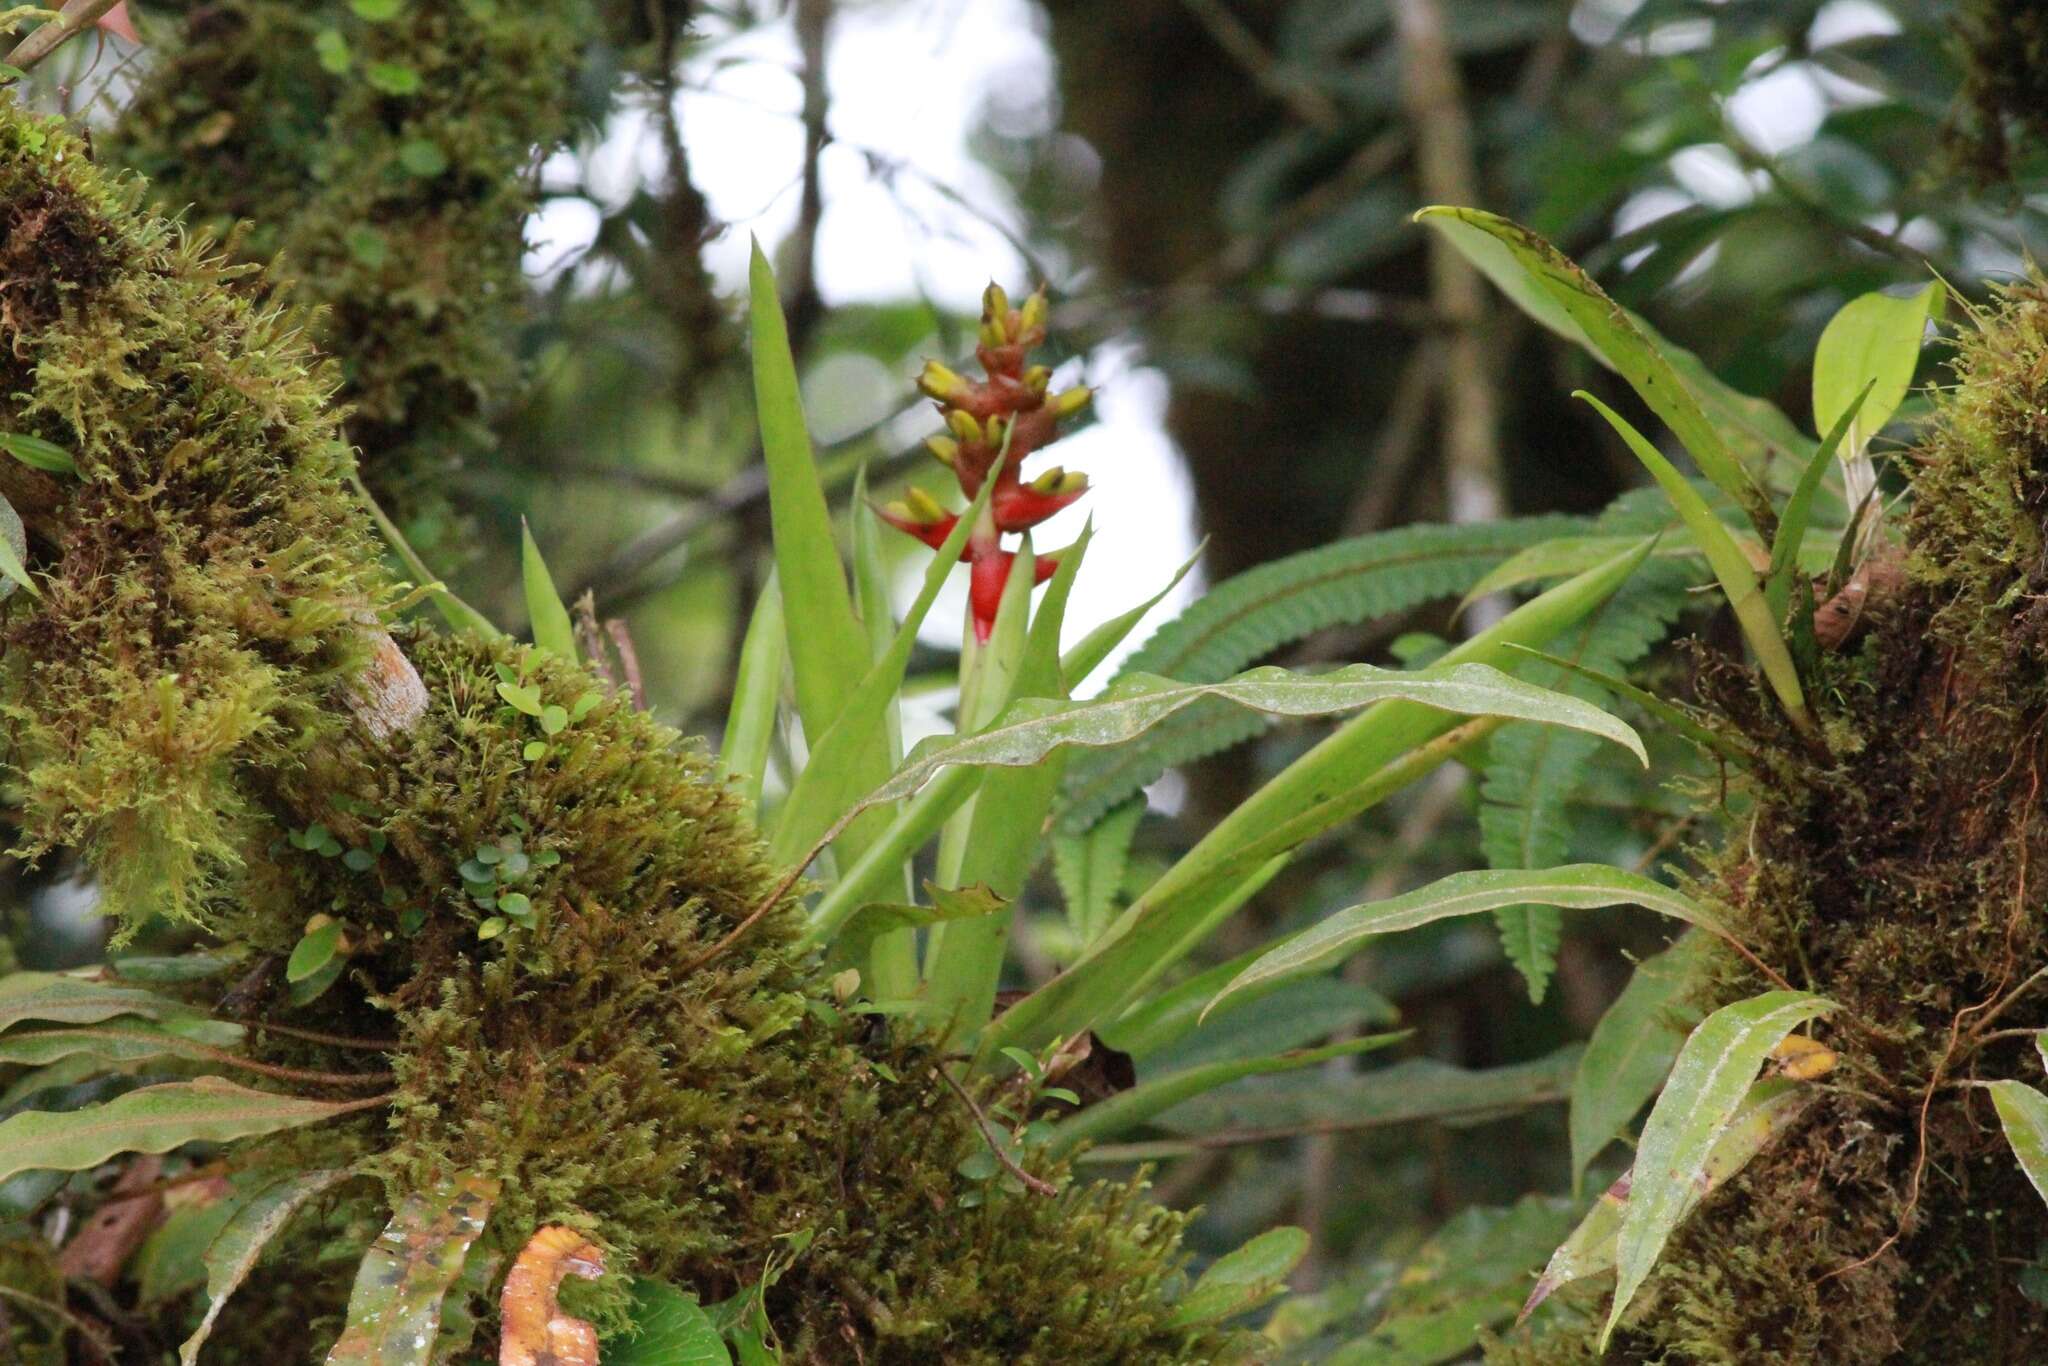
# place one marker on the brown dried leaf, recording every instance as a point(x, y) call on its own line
point(535, 1330)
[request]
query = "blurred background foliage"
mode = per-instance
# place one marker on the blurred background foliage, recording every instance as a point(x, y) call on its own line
point(1218, 194)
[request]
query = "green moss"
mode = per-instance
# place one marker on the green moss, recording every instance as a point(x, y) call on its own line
point(387, 168)
point(178, 708)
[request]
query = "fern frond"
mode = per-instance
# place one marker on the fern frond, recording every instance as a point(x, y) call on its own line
point(1245, 618)
point(1531, 776)
point(1089, 867)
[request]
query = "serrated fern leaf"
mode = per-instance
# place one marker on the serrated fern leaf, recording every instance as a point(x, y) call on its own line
point(1090, 868)
point(1246, 618)
point(1531, 776)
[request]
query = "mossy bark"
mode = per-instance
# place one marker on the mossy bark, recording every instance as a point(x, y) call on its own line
point(181, 702)
point(1900, 874)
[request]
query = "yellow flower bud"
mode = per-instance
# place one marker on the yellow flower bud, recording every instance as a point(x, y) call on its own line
point(963, 424)
point(995, 304)
point(944, 449)
point(1038, 379)
point(1033, 314)
point(922, 506)
point(941, 383)
point(1070, 401)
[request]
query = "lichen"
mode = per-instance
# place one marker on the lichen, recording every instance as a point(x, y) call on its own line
point(536, 916)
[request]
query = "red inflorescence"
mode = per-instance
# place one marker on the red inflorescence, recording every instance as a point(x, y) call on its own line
point(1013, 405)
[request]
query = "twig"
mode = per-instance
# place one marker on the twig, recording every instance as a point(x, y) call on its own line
point(76, 17)
point(1301, 96)
point(317, 1036)
point(1037, 1185)
point(801, 301)
point(1435, 104)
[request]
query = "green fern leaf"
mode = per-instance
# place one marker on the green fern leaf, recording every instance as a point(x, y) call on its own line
point(1246, 618)
point(1531, 776)
point(1090, 868)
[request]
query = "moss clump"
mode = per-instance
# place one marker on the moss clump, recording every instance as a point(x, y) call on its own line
point(387, 167)
point(178, 707)
point(2004, 99)
point(206, 572)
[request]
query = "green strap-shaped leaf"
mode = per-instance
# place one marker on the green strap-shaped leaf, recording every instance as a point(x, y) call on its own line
point(756, 695)
point(64, 999)
point(1731, 567)
point(852, 752)
point(394, 1311)
point(1633, 1046)
point(544, 609)
point(1126, 1110)
point(828, 650)
point(2023, 1111)
point(1576, 886)
point(259, 1217)
point(121, 1041)
point(1531, 270)
point(1243, 1280)
point(1713, 1073)
point(670, 1328)
point(154, 1119)
point(1798, 514)
point(38, 454)
point(1767, 1111)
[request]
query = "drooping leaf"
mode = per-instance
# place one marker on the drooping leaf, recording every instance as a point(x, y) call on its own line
point(1244, 619)
point(2023, 1112)
point(65, 999)
point(1127, 1110)
point(256, 1219)
point(1297, 1014)
point(861, 929)
point(1415, 1090)
point(1032, 728)
point(1575, 886)
point(670, 1328)
point(1770, 1107)
point(120, 1041)
point(1547, 284)
point(154, 1119)
point(1243, 1280)
point(394, 1309)
point(544, 609)
point(1706, 1088)
point(1633, 1046)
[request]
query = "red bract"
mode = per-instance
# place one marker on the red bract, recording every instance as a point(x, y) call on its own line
point(1011, 413)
